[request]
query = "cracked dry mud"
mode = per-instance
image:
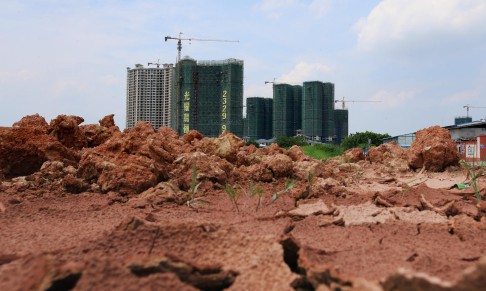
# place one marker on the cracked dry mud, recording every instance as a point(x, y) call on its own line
point(112, 214)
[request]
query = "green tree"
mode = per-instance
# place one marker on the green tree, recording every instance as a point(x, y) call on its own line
point(360, 139)
point(286, 141)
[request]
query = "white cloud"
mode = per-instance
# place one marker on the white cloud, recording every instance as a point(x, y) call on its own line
point(303, 71)
point(422, 24)
point(463, 96)
point(392, 99)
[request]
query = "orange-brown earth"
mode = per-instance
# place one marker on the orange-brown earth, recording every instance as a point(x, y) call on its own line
point(88, 207)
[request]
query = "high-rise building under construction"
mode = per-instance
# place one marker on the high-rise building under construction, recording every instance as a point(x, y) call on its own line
point(318, 111)
point(287, 109)
point(208, 97)
point(149, 93)
point(259, 112)
point(341, 125)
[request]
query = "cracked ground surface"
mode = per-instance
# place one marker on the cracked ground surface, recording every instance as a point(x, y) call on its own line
point(86, 241)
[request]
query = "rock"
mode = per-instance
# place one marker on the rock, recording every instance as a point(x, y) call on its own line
point(226, 146)
point(433, 149)
point(132, 161)
point(323, 185)
point(192, 135)
point(99, 134)
point(108, 121)
point(473, 278)
point(132, 174)
point(137, 203)
point(302, 169)
point(74, 185)
point(256, 172)
point(163, 192)
point(349, 167)
point(65, 128)
point(208, 168)
point(405, 279)
point(36, 122)
point(296, 153)
point(307, 209)
point(27, 145)
point(281, 165)
point(353, 155)
point(390, 154)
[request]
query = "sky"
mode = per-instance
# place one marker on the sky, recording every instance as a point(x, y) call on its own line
point(424, 60)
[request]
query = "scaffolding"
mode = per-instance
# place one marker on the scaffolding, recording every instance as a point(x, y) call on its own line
point(318, 111)
point(286, 101)
point(259, 114)
point(341, 123)
point(215, 99)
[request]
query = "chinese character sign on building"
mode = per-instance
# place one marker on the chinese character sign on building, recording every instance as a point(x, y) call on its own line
point(186, 104)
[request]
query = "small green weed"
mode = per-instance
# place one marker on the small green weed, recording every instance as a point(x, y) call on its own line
point(288, 185)
point(232, 194)
point(256, 190)
point(473, 173)
point(191, 200)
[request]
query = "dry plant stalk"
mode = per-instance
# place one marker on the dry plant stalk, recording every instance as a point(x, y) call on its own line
point(441, 210)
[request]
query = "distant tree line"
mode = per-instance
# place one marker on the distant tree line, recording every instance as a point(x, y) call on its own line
point(363, 139)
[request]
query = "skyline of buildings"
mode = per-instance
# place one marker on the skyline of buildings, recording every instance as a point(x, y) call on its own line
point(207, 96)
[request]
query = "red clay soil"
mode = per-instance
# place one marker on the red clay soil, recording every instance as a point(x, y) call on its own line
point(148, 210)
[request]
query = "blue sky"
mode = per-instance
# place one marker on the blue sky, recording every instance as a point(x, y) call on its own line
point(423, 59)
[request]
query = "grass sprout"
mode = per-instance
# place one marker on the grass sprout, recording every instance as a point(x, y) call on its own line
point(288, 185)
point(191, 199)
point(232, 194)
point(257, 190)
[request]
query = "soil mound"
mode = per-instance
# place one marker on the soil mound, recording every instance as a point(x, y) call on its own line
point(27, 145)
point(99, 134)
point(65, 128)
point(433, 150)
point(390, 155)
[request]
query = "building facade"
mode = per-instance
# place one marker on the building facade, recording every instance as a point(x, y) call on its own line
point(208, 97)
point(318, 111)
point(287, 109)
point(149, 93)
point(341, 125)
point(259, 112)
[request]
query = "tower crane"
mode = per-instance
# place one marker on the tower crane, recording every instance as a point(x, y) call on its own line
point(179, 49)
point(272, 82)
point(344, 101)
point(469, 106)
point(180, 39)
point(157, 64)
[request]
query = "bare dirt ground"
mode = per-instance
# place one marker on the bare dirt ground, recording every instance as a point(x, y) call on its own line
point(92, 208)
